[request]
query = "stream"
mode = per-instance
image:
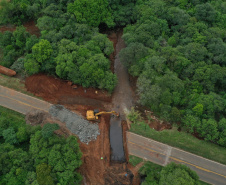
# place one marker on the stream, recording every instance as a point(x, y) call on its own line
point(122, 102)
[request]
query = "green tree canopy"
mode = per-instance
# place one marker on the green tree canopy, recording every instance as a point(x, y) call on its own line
point(42, 51)
point(48, 129)
point(178, 174)
point(10, 136)
point(91, 12)
point(43, 174)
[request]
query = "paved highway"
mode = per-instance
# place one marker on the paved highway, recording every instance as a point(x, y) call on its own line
point(159, 153)
point(20, 102)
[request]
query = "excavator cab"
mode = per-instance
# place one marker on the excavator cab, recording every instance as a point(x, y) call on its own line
point(93, 114)
point(90, 115)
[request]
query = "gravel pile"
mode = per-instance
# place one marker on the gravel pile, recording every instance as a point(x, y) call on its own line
point(75, 123)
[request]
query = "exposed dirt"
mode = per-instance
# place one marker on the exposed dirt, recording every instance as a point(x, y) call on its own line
point(135, 171)
point(123, 96)
point(197, 136)
point(151, 119)
point(30, 27)
point(114, 39)
point(61, 92)
point(36, 117)
point(7, 71)
point(133, 84)
point(97, 168)
point(124, 129)
point(94, 167)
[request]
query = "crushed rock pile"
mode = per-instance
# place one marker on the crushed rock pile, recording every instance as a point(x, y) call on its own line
point(75, 123)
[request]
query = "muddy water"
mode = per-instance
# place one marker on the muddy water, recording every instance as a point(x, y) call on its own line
point(122, 101)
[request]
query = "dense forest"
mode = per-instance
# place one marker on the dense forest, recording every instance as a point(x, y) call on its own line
point(70, 45)
point(175, 49)
point(35, 155)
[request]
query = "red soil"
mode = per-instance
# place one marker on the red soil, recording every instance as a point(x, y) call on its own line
point(113, 38)
point(151, 119)
point(93, 167)
point(59, 91)
point(95, 170)
point(7, 71)
point(30, 27)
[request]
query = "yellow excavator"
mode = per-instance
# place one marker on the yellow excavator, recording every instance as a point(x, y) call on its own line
point(93, 114)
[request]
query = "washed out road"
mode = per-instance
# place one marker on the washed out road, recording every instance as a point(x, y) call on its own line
point(159, 153)
point(162, 154)
point(20, 102)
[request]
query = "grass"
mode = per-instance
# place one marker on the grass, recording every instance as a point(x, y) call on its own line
point(12, 115)
point(183, 141)
point(134, 160)
point(14, 83)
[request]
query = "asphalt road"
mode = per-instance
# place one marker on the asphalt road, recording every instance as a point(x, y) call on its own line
point(159, 153)
point(162, 154)
point(20, 102)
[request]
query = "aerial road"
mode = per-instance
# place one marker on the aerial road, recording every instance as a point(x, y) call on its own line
point(162, 154)
point(20, 102)
point(159, 153)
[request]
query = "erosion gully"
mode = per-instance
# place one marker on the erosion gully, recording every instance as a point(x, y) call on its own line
point(122, 101)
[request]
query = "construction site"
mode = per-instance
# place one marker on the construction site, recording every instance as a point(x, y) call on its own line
point(102, 164)
point(103, 140)
point(112, 92)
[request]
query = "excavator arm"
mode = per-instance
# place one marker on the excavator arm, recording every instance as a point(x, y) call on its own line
point(103, 112)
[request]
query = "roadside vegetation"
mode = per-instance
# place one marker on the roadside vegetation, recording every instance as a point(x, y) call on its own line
point(35, 155)
point(14, 83)
point(182, 139)
point(171, 174)
point(134, 160)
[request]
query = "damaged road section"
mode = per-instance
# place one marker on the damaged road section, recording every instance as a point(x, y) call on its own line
point(76, 124)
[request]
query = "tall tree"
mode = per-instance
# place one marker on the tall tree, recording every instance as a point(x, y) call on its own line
point(91, 12)
point(178, 174)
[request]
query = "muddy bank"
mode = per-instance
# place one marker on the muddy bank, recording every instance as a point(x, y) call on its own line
point(123, 96)
point(122, 101)
point(60, 91)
